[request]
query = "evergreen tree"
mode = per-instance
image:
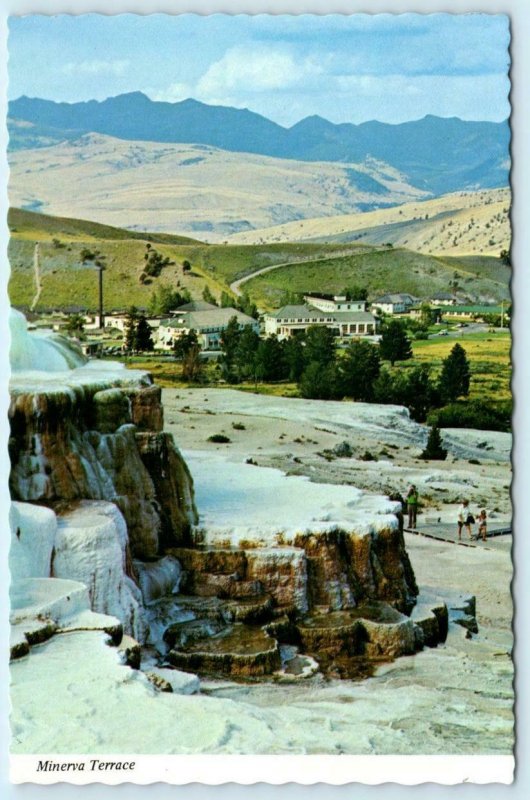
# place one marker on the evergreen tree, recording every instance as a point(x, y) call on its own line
point(246, 306)
point(226, 300)
point(320, 382)
point(245, 360)
point(418, 393)
point(385, 388)
point(188, 350)
point(271, 365)
point(130, 329)
point(434, 450)
point(455, 376)
point(184, 344)
point(229, 341)
point(293, 354)
point(394, 344)
point(75, 325)
point(359, 369)
point(427, 315)
point(319, 345)
point(164, 299)
point(355, 292)
point(144, 338)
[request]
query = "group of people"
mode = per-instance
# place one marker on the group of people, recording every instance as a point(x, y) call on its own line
point(465, 517)
point(466, 520)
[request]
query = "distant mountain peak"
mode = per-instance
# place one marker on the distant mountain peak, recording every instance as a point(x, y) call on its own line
point(436, 154)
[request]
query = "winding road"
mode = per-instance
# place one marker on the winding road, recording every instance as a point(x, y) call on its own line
point(235, 286)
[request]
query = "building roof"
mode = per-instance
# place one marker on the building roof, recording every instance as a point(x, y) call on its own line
point(306, 312)
point(300, 312)
point(202, 320)
point(474, 310)
point(195, 305)
point(443, 296)
point(395, 298)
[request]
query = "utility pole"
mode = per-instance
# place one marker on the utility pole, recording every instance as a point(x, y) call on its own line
point(101, 320)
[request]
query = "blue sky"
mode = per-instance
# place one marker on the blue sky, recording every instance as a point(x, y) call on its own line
point(346, 69)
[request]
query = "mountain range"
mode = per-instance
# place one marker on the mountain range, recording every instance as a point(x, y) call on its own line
point(436, 155)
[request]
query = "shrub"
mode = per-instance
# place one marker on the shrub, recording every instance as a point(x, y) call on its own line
point(342, 450)
point(474, 414)
point(367, 456)
point(219, 438)
point(238, 426)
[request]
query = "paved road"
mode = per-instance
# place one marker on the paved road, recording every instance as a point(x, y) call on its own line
point(235, 286)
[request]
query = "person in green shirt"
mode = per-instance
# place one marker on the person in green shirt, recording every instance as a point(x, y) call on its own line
point(412, 505)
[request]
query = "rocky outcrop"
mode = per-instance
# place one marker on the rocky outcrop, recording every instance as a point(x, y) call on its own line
point(173, 486)
point(332, 570)
point(345, 568)
point(239, 651)
point(80, 440)
point(147, 410)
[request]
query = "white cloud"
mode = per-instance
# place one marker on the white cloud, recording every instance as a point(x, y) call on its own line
point(256, 69)
point(97, 67)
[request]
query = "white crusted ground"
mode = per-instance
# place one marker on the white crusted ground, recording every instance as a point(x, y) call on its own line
point(71, 694)
point(298, 438)
point(243, 502)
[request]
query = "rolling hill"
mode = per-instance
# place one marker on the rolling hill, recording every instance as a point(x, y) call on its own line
point(68, 280)
point(196, 190)
point(464, 223)
point(436, 155)
point(381, 270)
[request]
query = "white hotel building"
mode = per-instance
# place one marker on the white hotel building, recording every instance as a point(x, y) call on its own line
point(344, 317)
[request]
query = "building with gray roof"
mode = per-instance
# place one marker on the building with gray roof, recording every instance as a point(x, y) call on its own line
point(208, 324)
point(292, 319)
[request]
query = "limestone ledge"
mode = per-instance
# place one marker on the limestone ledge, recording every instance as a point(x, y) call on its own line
point(97, 434)
point(335, 569)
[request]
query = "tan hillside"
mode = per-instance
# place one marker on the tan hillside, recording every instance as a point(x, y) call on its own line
point(464, 223)
point(193, 190)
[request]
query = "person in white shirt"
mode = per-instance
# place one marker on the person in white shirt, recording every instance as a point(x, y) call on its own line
point(465, 519)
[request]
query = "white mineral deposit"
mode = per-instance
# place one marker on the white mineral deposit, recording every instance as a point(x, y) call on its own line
point(112, 538)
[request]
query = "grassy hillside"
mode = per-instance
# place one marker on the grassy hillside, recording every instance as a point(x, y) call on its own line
point(67, 281)
point(387, 270)
point(43, 228)
point(465, 223)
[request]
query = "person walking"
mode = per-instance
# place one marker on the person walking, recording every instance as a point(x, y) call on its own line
point(465, 519)
point(412, 506)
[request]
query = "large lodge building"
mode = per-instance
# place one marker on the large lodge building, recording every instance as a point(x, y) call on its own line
point(345, 317)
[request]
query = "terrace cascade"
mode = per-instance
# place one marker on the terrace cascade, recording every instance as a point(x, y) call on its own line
point(106, 535)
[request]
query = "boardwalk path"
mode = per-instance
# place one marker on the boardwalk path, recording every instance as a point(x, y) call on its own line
point(499, 537)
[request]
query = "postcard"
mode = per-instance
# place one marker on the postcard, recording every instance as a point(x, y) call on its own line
point(260, 411)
